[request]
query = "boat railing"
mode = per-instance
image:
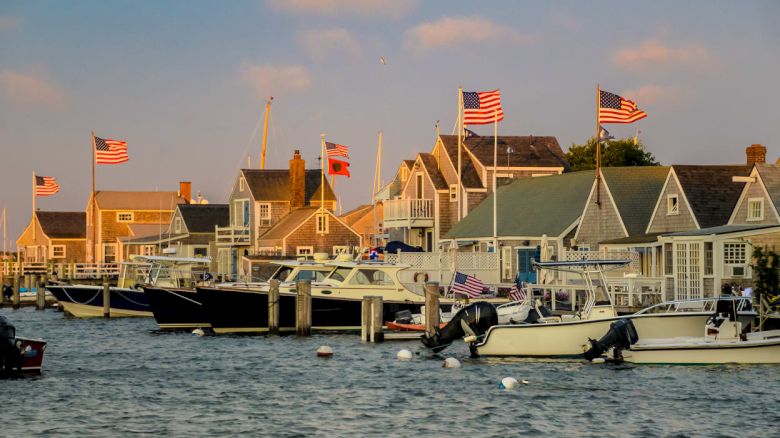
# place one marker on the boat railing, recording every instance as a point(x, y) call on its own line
point(696, 305)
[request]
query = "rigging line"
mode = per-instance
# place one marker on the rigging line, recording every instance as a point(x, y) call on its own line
point(128, 299)
point(237, 167)
point(86, 303)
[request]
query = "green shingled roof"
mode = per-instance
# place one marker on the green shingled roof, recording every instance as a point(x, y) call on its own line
point(635, 191)
point(530, 207)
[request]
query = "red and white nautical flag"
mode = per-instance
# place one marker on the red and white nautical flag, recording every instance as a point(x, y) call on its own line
point(109, 151)
point(615, 109)
point(46, 186)
point(467, 284)
point(479, 107)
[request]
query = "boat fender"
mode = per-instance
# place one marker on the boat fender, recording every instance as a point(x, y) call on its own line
point(198, 332)
point(507, 383)
point(451, 362)
point(404, 354)
point(423, 275)
point(324, 351)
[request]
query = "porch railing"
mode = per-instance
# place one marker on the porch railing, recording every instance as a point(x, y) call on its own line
point(232, 235)
point(408, 212)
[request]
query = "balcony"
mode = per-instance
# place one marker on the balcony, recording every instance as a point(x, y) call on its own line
point(408, 213)
point(232, 236)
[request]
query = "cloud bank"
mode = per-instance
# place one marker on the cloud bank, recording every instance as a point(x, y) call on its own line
point(655, 55)
point(321, 43)
point(458, 31)
point(269, 80)
point(30, 89)
point(352, 8)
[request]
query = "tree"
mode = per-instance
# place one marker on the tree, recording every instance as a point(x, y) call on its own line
point(765, 266)
point(622, 152)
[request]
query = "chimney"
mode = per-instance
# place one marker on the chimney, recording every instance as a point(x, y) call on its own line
point(297, 180)
point(185, 190)
point(756, 154)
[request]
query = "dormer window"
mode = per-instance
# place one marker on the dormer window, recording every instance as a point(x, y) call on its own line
point(755, 209)
point(177, 225)
point(453, 193)
point(672, 205)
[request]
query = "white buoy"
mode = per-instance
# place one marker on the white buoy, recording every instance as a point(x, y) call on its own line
point(507, 383)
point(451, 362)
point(524, 382)
point(598, 360)
point(404, 354)
point(198, 332)
point(324, 351)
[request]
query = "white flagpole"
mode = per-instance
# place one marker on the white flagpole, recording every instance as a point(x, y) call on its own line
point(460, 147)
point(322, 172)
point(495, 188)
point(34, 193)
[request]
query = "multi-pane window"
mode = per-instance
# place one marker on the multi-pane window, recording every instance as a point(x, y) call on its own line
point(453, 193)
point(734, 253)
point(340, 249)
point(755, 209)
point(124, 216)
point(264, 213)
point(672, 206)
point(707, 258)
point(322, 222)
point(304, 250)
point(58, 251)
point(668, 267)
point(177, 225)
point(147, 250)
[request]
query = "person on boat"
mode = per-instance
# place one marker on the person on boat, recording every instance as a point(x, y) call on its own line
point(8, 292)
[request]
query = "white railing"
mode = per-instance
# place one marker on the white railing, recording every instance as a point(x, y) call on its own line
point(411, 211)
point(630, 292)
point(232, 235)
point(441, 266)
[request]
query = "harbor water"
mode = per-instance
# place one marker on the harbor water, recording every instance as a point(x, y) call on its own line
point(121, 377)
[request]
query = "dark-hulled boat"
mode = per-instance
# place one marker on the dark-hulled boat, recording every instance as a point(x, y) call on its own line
point(19, 355)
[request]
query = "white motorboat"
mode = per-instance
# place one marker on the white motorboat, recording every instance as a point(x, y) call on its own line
point(545, 335)
point(722, 342)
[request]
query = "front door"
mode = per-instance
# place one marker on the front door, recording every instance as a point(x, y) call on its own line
point(687, 264)
point(428, 240)
point(525, 271)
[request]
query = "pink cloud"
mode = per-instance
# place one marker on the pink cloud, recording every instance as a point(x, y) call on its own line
point(355, 8)
point(649, 94)
point(268, 80)
point(656, 55)
point(30, 89)
point(456, 31)
point(321, 43)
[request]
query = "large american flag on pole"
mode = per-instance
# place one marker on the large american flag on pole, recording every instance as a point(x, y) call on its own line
point(336, 150)
point(467, 284)
point(615, 109)
point(46, 186)
point(479, 107)
point(109, 151)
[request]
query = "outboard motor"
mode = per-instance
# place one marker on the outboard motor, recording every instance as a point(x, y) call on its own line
point(10, 356)
point(404, 317)
point(621, 335)
point(476, 318)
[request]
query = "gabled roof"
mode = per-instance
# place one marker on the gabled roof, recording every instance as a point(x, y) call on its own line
point(770, 175)
point(469, 176)
point(635, 191)
point(202, 218)
point(289, 223)
point(409, 163)
point(356, 213)
point(551, 205)
point(710, 191)
point(63, 224)
point(432, 167)
point(526, 150)
point(116, 200)
point(274, 184)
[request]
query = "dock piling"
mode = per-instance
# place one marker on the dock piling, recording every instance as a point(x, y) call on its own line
point(372, 318)
point(303, 308)
point(273, 307)
point(432, 315)
point(17, 286)
point(106, 298)
point(40, 293)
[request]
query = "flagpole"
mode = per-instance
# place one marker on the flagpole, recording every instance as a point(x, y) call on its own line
point(460, 147)
point(495, 188)
point(34, 192)
point(322, 173)
point(376, 188)
point(598, 145)
point(94, 205)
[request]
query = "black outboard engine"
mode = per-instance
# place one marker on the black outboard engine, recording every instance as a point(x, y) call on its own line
point(404, 317)
point(10, 356)
point(621, 335)
point(477, 317)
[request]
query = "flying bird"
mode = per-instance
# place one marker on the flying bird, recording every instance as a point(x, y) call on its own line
point(382, 60)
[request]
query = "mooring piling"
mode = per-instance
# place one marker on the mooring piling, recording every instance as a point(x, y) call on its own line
point(303, 308)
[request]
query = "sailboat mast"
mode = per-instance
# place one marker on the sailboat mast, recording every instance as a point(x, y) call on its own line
point(265, 131)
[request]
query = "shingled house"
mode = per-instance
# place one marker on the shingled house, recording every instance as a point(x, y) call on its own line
point(276, 212)
point(427, 205)
point(363, 219)
point(58, 236)
point(125, 215)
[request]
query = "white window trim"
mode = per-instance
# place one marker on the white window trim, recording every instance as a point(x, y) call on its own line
point(263, 220)
point(177, 225)
point(144, 249)
point(453, 191)
point(669, 211)
point(309, 250)
point(52, 256)
point(238, 212)
point(419, 185)
point(340, 249)
point(241, 184)
point(326, 222)
point(120, 213)
point(760, 201)
point(200, 247)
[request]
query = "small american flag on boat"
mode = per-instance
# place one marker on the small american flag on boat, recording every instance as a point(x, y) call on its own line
point(467, 284)
point(517, 293)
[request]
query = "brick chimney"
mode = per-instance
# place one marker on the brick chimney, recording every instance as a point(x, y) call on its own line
point(185, 190)
point(756, 153)
point(297, 180)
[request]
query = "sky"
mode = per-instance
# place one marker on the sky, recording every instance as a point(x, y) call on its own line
point(185, 83)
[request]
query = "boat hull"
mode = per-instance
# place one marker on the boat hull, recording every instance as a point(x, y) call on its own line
point(32, 357)
point(87, 301)
point(766, 351)
point(176, 308)
point(570, 339)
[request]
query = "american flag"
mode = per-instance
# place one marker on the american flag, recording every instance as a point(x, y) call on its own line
point(479, 107)
point(336, 150)
point(109, 151)
point(517, 293)
point(615, 109)
point(46, 186)
point(467, 284)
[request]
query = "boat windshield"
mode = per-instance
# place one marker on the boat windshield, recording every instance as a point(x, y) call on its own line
point(373, 277)
point(600, 294)
point(282, 273)
point(339, 274)
point(309, 274)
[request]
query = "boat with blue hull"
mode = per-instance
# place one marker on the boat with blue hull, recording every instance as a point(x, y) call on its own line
point(85, 301)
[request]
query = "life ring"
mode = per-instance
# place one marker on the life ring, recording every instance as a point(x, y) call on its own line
point(423, 274)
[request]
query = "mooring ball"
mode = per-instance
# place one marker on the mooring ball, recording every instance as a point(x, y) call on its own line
point(524, 382)
point(324, 351)
point(404, 354)
point(451, 362)
point(598, 360)
point(198, 332)
point(507, 383)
